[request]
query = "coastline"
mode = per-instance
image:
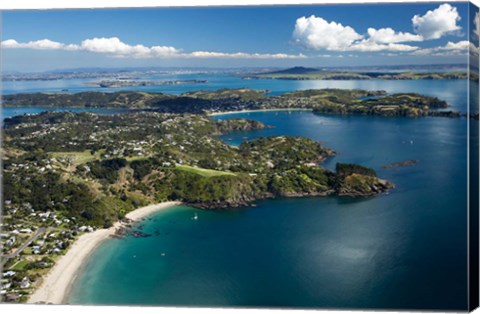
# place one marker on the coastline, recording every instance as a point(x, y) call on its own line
point(256, 110)
point(55, 286)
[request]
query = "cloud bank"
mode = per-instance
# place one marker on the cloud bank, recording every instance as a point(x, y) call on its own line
point(316, 33)
point(450, 49)
point(113, 46)
point(43, 44)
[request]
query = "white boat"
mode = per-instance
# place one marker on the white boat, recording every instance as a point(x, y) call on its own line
point(195, 217)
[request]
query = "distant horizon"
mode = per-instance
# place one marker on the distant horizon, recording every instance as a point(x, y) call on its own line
point(234, 68)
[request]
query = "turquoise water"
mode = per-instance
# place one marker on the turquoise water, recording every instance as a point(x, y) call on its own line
point(404, 250)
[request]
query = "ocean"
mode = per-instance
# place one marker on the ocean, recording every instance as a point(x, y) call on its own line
point(403, 250)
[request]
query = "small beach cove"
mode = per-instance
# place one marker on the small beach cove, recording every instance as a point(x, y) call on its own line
point(55, 286)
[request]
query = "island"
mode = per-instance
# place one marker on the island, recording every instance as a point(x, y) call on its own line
point(303, 73)
point(70, 174)
point(410, 162)
point(322, 101)
point(131, 83)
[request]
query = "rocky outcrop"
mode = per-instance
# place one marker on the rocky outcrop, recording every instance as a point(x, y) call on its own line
point(362, 185)
point(239, 124)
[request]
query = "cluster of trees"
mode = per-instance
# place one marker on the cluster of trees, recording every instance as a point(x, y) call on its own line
point(203, 191)
point(348, 169)
point(284, 152)
point(302, 180)
point(107, 169)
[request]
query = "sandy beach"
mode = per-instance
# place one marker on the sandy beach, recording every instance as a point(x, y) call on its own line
point(55, 285)
point(256, 110)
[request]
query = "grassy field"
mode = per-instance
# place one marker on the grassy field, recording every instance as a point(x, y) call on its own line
point(20, 265)
point(133, 158)
point(78, 158)
point(204, 172)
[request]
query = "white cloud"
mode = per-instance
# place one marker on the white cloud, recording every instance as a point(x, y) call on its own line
point(368, 45)
point(316, 33)
point(116, 47)
point(434, 24)
point(450, 49)
point(474, 50)
point(388, 35)
point(39, 44)
point(461, 45)
point(113, 46)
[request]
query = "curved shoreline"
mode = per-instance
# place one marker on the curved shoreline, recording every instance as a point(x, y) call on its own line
point(55, 286)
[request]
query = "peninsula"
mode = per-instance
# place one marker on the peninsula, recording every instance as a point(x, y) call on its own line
point(302, 73)
point(325, 101)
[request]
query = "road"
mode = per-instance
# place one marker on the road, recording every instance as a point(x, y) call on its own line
point(5, 258)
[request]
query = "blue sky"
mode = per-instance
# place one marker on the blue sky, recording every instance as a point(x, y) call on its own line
point(319, 35)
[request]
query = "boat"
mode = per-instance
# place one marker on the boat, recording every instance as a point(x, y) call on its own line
point(195, 217)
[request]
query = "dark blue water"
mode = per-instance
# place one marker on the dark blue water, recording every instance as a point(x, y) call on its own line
point(404, 250)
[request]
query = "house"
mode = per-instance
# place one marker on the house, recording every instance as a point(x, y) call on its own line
point(44, 215)
point(9, 273)
point(25, 283)
point(12, 297)
point(6, 285)
point(10, 241)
